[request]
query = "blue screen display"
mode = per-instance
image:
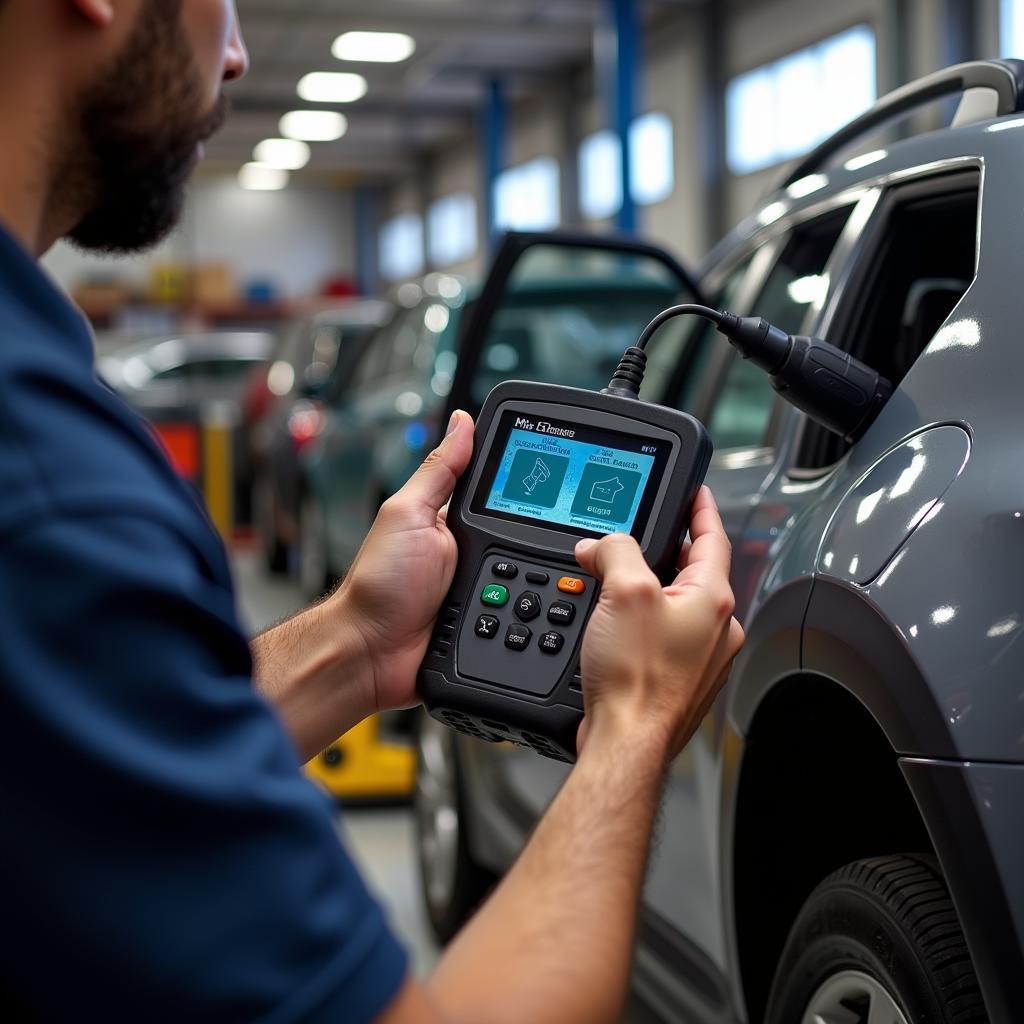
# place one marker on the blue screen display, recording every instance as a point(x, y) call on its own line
point(572, 483)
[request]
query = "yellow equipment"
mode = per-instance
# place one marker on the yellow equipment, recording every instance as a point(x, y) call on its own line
point(362, 765)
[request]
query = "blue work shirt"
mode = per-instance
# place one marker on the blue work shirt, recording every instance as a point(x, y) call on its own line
point(162, 856)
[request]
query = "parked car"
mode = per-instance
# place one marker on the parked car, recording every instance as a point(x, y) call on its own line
point(569, 321)
point(180, 382)
point(843, 837)
point(283, 405)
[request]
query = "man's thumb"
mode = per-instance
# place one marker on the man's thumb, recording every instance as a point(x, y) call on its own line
point(432, 484)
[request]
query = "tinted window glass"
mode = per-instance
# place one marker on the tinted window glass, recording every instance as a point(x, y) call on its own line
point(920, 263)
point(208, 369)
point(744, 405)
point(373, 364)
point(569, 314)
point(671, 344)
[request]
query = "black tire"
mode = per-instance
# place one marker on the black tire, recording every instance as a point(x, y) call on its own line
point(885, 927)
point(452, 883)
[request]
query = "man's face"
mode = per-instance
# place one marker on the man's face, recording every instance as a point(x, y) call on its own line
point(142, 121)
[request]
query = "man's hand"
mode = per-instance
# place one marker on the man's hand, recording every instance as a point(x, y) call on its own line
point(357, 651)
point(654, 658)
point(396, 584)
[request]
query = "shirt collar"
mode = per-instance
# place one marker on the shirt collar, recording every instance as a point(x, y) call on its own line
point(24, 283)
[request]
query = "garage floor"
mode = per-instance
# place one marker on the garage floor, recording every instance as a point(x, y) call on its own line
point(381, 839)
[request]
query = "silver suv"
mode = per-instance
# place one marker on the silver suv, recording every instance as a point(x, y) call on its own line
point(843, 840)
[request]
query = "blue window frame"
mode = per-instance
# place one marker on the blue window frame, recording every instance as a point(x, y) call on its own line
point(783, 109)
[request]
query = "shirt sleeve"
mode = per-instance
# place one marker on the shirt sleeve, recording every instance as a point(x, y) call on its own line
point(163, 858)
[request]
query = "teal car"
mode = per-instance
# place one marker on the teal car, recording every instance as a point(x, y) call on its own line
point(568, 320)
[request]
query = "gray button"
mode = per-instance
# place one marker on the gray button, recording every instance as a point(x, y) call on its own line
point(517, 638)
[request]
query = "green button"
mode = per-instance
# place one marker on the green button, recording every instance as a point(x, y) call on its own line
point(495, 594)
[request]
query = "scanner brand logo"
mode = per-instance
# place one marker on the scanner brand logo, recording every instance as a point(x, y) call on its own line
point(522, 423)
point(547, 428)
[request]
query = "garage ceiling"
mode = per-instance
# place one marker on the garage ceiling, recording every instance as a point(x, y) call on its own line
point(412, 107)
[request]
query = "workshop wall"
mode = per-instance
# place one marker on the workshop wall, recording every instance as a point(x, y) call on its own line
point(296, 239)
point(554, 122)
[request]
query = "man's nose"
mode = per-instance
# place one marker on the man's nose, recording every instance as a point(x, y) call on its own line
point(236, 58)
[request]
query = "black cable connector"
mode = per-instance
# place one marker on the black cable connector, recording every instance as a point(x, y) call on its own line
point(837, 391)
point(629, 374)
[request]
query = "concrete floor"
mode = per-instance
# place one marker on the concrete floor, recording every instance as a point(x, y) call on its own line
point(381, 840)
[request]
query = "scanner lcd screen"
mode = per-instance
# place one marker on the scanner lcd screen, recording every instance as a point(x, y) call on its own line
point(572, 478)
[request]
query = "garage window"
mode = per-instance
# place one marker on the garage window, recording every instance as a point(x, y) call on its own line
point(783, 109)
point(600, 175)
point(1011, 28)
point(453, 231)
point(653, 166)
point(651, 149)
point(527, 197)
point(401, 247)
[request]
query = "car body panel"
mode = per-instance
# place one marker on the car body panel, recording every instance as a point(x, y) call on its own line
point(893, 498)
point(922, 629)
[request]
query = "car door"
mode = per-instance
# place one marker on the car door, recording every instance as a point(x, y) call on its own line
point(562, 309)
point(783, 277)
point(339, 466)
point(779, 275)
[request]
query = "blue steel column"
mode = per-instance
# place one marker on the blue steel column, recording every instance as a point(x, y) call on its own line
point(621, 56)
point(366, 240)
point(493, 135)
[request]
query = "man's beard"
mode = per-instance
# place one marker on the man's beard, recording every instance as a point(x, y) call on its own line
point(140, 128)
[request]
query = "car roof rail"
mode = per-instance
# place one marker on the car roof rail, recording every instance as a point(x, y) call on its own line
point(1004, 78)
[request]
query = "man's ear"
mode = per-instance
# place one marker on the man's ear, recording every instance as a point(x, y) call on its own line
point(96, 12)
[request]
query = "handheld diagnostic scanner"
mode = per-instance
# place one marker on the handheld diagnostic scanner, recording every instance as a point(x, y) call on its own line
point(552, 465)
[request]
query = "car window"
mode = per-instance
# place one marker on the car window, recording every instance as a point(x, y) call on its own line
point(914, 268)
point(569, 314)
point(373, 363)
point(665, 351)
point(743, 406)
point(323, 355)
point(208, 369)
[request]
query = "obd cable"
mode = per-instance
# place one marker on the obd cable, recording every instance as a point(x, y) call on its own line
point(836, 390)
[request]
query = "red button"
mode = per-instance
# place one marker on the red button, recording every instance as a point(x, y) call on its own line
point(571, 585)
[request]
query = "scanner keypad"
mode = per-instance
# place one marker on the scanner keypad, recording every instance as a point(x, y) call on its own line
point(528, 660)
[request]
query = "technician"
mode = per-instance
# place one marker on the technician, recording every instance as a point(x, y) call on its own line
point(163, 858)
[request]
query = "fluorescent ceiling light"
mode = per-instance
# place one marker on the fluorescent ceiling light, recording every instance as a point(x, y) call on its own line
point(374, 47)
point(332, 87)
point(314, 125)
point(260, 178)
point(284, 154)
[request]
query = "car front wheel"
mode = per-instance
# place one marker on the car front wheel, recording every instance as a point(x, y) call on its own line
point(452, 882)
point(878, 942)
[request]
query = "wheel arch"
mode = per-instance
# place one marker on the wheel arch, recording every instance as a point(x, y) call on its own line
point(812, 777)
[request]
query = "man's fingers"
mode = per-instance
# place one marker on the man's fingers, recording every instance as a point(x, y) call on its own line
point(614, 560)
point(710, 553)
point(432, 484)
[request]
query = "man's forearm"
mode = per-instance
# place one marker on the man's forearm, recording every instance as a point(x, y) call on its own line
point(554, 942)
point(315, 669)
